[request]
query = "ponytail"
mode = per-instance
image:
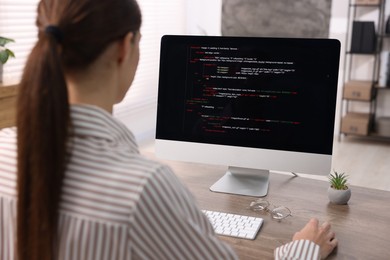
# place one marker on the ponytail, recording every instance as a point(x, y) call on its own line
point(42, 127)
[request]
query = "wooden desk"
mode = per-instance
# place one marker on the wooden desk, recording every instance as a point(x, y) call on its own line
point(7, 105)
point(362, 226)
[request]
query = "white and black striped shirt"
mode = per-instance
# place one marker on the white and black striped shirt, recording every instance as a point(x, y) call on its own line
point(116, 204)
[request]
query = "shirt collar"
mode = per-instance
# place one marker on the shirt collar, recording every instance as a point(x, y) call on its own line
point(94, 122)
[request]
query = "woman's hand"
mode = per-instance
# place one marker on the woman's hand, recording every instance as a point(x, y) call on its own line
point(321, 235)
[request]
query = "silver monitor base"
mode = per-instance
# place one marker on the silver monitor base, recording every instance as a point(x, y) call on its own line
point(242, 181)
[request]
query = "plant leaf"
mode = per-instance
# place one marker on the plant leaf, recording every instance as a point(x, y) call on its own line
point(338, 181)
point(10, 53)
point(4, 41)
point(3, 57)
point(5, 54)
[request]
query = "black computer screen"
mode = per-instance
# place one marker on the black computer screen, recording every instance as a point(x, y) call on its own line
point(271, 93)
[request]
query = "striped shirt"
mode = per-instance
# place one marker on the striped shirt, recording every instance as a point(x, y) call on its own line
point(116, 204)
point(298, 250)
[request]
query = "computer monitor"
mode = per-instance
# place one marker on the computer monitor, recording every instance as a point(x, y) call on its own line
point(252, 104)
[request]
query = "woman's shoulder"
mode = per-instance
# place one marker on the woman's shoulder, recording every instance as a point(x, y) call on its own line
point(151, 167)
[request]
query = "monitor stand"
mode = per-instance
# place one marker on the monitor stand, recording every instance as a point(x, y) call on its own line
point(243, 181)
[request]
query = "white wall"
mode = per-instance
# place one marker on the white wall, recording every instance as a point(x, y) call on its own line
point(204, 17)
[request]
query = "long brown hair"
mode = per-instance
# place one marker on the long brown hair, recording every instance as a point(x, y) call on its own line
point(71, 35)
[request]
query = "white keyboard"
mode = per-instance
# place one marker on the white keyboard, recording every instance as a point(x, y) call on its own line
point(233, 225)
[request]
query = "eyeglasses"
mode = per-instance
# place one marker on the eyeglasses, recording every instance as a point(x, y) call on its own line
point(277, 212)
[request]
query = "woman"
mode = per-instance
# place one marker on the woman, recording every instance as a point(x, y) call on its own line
point(77, 187)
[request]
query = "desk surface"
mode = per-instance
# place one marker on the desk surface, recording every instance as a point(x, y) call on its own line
point(362, 226)
point(7, 105)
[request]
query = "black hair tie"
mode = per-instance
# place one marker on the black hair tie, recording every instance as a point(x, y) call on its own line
point(55, 32)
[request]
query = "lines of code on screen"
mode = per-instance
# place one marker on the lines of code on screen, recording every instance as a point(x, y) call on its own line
point(254, 93)
point(229, 91)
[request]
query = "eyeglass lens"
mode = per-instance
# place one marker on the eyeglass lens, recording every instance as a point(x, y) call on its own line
point(280, 212)
point(259, 205)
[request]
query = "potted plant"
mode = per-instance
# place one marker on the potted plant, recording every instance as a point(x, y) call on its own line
point(339, 192)
point(4, 54)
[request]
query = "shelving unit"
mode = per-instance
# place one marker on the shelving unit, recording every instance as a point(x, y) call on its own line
point(355, 90)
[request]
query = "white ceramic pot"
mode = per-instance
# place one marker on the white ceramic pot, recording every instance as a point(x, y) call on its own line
point(340, 197)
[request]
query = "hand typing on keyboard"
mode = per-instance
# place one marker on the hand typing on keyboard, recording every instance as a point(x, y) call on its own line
point(234, 225)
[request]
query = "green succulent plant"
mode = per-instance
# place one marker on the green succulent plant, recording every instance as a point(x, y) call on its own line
point(4, 52)
point(338, 181)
